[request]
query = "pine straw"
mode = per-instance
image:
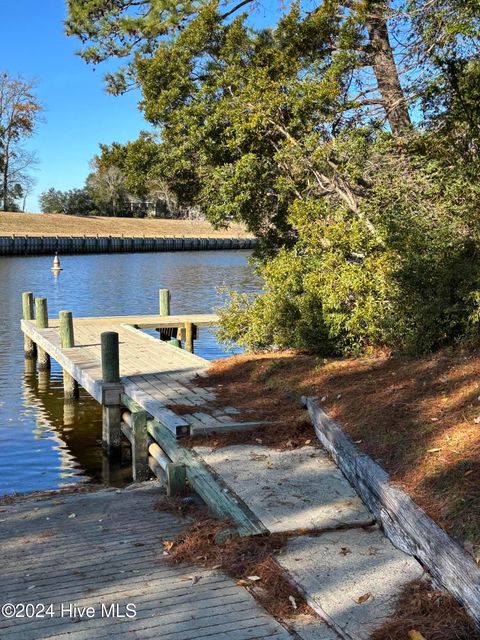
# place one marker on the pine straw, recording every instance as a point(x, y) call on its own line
point(419, 418)
point(434, 614)
point(247, 388)
point(288, 434)
point(241, 558)
point(179, 507)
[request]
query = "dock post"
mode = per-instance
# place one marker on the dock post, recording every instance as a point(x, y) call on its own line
point(67, 340)
point(41, 313)
point(112, 389)
point(164, 302)
point(176, 479)
point(29, 346)
point(140, 468)
point(164, 309)
point(189, 332)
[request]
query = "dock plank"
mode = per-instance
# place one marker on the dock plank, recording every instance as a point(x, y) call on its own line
point(100, 556)
point(154, 374)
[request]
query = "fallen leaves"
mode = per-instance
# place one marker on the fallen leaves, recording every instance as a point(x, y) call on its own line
point(364, 598)
point(245, 582)
point(415, 635)
point(192, 579)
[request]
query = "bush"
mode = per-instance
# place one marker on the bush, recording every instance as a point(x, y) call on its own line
point(402, 274)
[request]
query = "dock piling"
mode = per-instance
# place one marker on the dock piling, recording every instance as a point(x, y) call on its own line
point(176, 480)
point(189, 333)
point(29, 346)
point(164, 309)
point(67, 340)
point(110, 356)
point(112, 389)
point(140, 468)
point(164, 302)
point(41, 313)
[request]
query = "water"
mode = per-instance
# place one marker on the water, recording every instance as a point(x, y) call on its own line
point(45, 443)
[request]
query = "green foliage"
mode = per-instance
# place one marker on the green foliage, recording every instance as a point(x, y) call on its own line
point(408, 280)
point(20, 112)
point(53, 201)
point(368, 222)
point(73, 202)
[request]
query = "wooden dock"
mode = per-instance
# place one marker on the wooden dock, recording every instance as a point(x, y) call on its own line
point(76, 561)
point(139, 379)
point(152, 372)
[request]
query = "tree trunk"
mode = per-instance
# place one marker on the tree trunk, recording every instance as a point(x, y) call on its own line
point(5, 182)
point(386, 71)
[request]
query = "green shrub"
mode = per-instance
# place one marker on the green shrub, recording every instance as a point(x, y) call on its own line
point(403, 274)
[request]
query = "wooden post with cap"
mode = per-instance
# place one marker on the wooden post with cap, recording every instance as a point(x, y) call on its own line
point(29, 346)
point(67, 340)
point(111, 392)
point(41, 312)
point(164, 309)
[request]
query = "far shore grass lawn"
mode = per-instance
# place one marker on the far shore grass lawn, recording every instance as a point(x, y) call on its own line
point(52, 224)
point(419, 418)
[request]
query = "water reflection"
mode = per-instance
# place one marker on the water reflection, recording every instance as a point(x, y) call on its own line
point(73, 427)
point(44, 442)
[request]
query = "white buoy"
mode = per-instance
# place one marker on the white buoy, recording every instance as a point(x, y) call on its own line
point(56, 263)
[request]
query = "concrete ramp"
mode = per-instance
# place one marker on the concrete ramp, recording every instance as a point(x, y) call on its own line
point(300, 489)
point(351, 578)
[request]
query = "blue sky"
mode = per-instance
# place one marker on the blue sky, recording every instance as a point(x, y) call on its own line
point(78, 112)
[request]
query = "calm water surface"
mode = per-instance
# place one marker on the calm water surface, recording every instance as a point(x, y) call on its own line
point(44, 442)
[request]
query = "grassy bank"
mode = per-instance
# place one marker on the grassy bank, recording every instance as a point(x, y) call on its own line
point(26, 224)
point(420, 418)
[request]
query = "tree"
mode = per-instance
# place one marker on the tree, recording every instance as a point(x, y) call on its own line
point(53, 201)
point(73, 202)
point(79, 202)
point(303, 131)
point(27, 184)
point(106, 186)
point(144, 165)
point(19, 114)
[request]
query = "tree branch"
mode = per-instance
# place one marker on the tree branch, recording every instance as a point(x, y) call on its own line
point(234, 9)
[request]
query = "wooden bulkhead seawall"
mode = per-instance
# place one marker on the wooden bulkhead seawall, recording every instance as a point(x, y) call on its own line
point(41, 245)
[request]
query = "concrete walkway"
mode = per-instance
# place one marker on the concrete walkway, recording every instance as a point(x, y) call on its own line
point(104, 550)
point(348, 571)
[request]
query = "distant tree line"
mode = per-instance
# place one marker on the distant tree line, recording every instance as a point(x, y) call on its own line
point(125, 180)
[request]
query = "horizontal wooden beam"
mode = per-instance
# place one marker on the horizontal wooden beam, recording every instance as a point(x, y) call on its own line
point(227, 427)
point(218, 496)
point(150, 321)
point(405, 524)
point(174, 423)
